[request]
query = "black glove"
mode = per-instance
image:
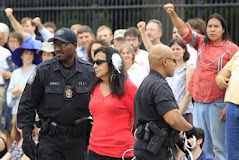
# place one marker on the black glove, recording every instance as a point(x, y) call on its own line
point(192, 132)
point(29, 147)
point(180, 144)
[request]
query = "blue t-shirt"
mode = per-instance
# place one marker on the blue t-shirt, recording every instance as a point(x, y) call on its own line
point(204, 156)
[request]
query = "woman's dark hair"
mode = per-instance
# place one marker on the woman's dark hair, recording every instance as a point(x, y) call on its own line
point(179, 41)
point(116, 79)
point(100, 41)
point(225, 35)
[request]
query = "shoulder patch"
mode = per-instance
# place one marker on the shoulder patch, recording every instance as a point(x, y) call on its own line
point(32, 77)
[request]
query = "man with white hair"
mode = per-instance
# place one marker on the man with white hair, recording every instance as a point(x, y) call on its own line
point(4, 32)
point(4, 53)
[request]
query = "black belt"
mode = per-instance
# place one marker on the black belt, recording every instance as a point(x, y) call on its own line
point(79, 128)
point(56, 129)
point(62, 129)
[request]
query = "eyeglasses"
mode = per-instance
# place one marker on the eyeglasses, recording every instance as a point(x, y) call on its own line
point(61, 45)
point(99, 61)
point(174, 60)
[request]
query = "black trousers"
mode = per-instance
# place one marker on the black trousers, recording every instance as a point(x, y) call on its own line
point(62, 147)
point(145, 155)
point(95, 156)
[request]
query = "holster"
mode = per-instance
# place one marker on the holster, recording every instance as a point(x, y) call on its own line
point(88, 131)
point(76, 131)
point(82, 127)
point(53, 129)
point(158, 138)
point(140, 131)
point(44, 125)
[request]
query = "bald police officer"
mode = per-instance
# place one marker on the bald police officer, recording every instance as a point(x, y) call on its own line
point(58, 91)
point(156, 111)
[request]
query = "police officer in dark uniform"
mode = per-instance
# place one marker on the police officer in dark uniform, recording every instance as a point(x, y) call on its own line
point(157, 117)
point(58, 91)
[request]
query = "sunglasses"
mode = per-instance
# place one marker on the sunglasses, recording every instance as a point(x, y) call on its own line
point(99, 61)
point(174, 60)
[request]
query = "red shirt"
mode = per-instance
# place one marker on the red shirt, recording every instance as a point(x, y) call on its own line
point(111, 132)
point(211, 59)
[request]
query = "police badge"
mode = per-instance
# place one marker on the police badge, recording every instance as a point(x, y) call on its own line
point(68, 92)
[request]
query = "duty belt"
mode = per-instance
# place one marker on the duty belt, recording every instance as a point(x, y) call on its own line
point(78, 129)
point(64, 129)
point(55, 129)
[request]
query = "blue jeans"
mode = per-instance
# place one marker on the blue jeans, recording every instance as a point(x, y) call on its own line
point(207, 117)
point(232, 131)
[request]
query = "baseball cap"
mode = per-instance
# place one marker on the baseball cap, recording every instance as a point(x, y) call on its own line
point(65, 35)
point(119, 33)
point(46, 47)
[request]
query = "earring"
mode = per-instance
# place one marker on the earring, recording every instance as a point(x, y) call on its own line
point(112, 77)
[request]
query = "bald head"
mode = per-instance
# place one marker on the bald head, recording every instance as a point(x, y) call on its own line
point(159, 51)
point(159, 60)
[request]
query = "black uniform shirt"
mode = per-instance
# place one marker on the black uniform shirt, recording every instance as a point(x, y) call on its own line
point(153, 99)
point(46, 92)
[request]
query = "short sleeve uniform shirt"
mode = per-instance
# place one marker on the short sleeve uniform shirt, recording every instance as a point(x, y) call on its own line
point(153, 99)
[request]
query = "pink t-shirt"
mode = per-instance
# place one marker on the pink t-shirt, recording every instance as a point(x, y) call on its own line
point(211, 59)
point(111, 132)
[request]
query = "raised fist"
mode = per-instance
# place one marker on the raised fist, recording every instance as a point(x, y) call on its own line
point(37, 21)
point(8, 11)
point(141, 26)
point(169, 8)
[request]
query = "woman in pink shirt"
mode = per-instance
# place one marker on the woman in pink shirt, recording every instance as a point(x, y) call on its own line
point(112, 108)
point(214, 51)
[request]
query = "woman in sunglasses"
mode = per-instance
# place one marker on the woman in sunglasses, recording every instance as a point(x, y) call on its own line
point(182, 75)
point(112, 108)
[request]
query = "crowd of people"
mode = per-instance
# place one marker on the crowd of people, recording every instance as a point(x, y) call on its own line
point(71, 94)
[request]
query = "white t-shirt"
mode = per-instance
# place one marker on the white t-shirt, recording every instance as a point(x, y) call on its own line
point(142, 59)
point(3, 63)
point(193, 56)
point(137, 73)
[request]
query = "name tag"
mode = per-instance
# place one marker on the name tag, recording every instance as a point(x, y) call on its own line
point(54, 83)
point(82, 83)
